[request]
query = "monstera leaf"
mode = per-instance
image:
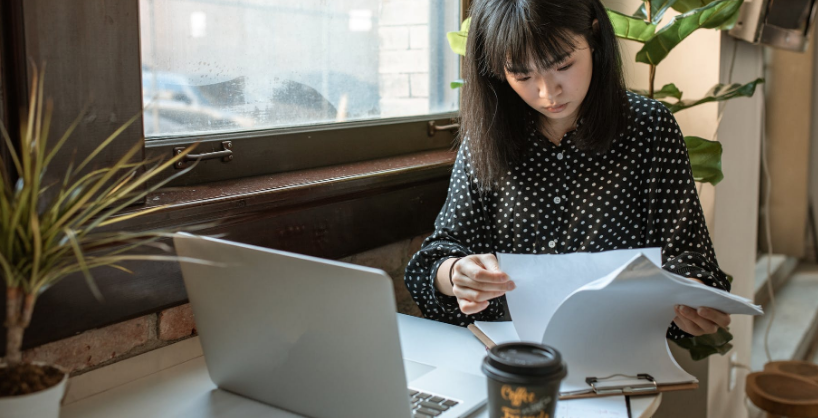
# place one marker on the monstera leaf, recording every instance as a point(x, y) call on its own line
point(705, 159)
point(668, 90)
point(713, 16)
point(718, 93)
point(657, 10)
point(457, 40)
point(629, 27)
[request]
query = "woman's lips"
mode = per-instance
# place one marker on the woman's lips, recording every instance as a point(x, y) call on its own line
point(557, 109)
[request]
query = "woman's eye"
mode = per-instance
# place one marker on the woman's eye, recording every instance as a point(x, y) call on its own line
point(521, 79)
point(566, 67)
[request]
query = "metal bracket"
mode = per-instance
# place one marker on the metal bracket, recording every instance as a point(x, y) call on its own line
point(226, 154)
point(433, 129)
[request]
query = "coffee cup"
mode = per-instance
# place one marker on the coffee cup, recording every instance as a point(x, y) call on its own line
point(523, 380)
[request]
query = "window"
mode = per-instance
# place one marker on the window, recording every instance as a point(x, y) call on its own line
point(93, 51)
point(218, 66)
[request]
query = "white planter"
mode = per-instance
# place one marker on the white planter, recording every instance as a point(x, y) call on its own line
point(42, 404)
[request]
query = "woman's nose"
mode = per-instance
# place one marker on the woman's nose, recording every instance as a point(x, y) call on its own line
point(549, 88)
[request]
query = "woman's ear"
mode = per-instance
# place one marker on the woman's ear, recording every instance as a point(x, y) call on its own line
point(595, 26)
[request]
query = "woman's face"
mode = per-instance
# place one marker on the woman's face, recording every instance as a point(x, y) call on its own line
point(557, 93)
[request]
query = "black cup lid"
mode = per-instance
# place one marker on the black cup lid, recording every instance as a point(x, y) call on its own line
point(523, 358)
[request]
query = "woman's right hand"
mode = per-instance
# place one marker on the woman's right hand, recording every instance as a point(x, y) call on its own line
point(477, 279)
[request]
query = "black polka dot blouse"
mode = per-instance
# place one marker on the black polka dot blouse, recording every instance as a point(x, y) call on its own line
point(638, 194)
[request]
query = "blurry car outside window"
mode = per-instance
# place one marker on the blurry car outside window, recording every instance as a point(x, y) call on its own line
point(220, 66)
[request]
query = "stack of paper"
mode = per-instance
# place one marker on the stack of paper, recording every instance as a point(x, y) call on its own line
point(607, 313)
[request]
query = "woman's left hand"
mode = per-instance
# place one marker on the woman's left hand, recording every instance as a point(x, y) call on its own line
point(700, 321)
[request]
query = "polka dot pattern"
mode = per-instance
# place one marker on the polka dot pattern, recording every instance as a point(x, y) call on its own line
point(559, 199)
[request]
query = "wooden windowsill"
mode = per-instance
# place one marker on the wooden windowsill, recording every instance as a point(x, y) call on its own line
point(298, 188)
point(329, 212)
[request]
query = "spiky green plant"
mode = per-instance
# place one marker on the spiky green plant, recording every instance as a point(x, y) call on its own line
point(49, 230)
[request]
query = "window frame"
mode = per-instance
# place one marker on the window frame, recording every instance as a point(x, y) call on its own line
point(389, 186)
point(259, 152)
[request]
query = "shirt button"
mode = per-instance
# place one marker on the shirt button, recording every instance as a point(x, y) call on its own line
point(557, 200)
point(552, 244)
point(559, 156)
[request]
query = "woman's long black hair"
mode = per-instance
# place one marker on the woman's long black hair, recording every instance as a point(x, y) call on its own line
point(509, 34)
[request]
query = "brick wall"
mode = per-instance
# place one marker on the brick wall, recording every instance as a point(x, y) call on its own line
point(100, 347)
point(403, 31)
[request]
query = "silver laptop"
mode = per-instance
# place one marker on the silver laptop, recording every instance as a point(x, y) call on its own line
point(311, 336)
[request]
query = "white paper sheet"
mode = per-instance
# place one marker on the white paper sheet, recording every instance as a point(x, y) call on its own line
point(544, 281)
point(608, 407)
point(614, 309)
point(617, 324)
point(499, 332)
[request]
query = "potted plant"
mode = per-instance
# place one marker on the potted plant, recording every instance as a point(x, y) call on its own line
point(50, 229)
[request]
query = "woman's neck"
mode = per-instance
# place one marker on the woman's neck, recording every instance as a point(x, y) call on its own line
point(555, 130)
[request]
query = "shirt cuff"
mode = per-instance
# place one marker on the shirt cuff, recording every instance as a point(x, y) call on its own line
point(446, 303)
point(695, 266)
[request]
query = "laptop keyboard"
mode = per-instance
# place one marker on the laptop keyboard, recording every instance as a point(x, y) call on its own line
point(426, 405)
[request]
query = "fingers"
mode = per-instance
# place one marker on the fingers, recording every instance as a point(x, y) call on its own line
point(489, 261)
point(700, 321)
point(718, 317)
point(470, 308)
point(708, 320)
point(476, 295)
point(687, 326)
point(481, 273)
point(477, 279)
point(484, 271)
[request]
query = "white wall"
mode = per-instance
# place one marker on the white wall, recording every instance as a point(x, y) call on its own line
point(736, 217)
point(694, 67)
point(731, 208)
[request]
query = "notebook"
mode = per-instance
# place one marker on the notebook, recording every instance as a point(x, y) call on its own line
point(607, 314)
point(315, 337)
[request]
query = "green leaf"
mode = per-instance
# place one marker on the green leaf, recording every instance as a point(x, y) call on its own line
point(730, 23)
point(718, 93)
point(657, 10)
point(81, 261)
point(457, 40)
point(704, 346)
point(668, 90)
point(705, 159)
point(629, 27)
point(640, 13)
point(456, 84)
point(684, 6)
point(711, 16)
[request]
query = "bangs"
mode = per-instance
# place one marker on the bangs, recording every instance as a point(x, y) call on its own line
point(518, 37)
point(514, 42)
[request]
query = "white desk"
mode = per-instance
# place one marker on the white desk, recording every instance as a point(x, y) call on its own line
point(185, 390)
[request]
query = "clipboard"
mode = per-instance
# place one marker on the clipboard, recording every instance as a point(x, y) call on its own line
point(650, 387)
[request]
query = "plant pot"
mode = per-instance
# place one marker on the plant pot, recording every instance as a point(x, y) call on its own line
point(42, 404)
point(783, 394)
point(804, 369)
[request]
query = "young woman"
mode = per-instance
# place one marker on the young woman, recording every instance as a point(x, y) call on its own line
point(557, 157)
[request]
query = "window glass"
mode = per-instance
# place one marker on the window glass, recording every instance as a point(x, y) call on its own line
point(211, 66)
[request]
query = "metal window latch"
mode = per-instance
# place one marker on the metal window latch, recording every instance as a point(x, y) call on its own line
point(226, 154)
point(433, 128)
